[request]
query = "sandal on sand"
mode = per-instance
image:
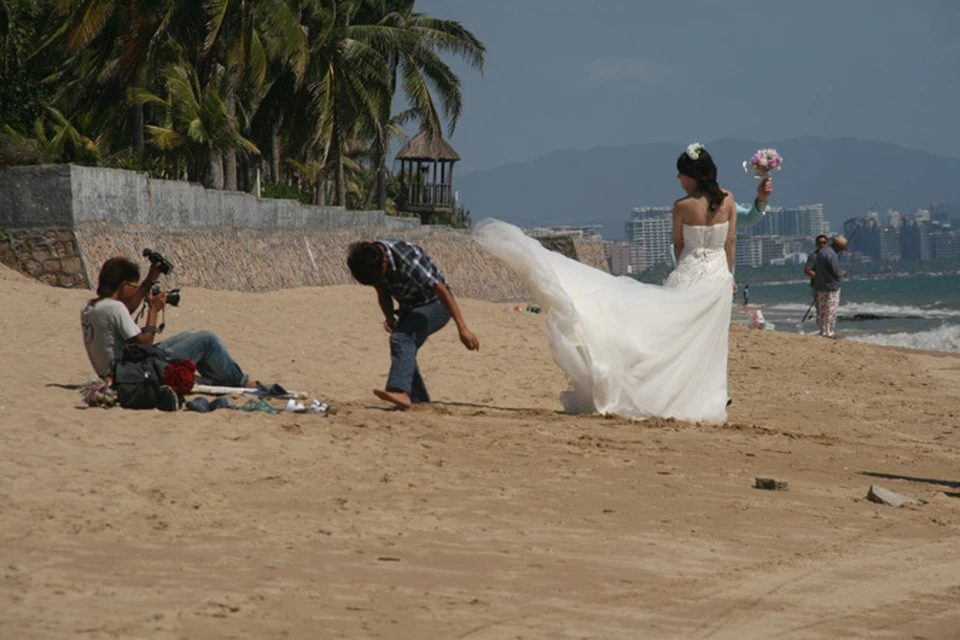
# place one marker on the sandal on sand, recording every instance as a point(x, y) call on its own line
point(294, 407)
point(202, 405)
point(273, 391)
point(298, 407)
point(259, 405)
point(318, 407)
point(167, 399)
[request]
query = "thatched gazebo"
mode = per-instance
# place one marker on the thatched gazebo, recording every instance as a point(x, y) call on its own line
point(426, 175)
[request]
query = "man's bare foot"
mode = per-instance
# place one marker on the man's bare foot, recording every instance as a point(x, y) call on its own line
point(399, 399)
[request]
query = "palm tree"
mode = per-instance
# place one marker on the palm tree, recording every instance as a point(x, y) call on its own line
point(197, 127)
point(108, 47)
point(343, 87)
point(70, 143)
point(310, 80)
point(4, 25)
point(414, 62)
point(246, 37)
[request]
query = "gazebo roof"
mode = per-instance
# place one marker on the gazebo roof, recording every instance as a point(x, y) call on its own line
point(421, 147)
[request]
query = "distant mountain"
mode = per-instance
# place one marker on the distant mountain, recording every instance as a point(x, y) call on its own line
point(601, 185)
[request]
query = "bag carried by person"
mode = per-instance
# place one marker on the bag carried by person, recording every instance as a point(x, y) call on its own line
point(138, 377)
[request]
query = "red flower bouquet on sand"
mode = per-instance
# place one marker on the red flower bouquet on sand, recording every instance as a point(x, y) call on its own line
point(179, 376)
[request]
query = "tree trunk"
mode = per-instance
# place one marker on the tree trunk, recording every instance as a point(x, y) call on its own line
point(230, 170)
point(341, 183)
point(230, 155)
point(215, 177)
point(382, 187)
point(381, 177)
point(137, 117)
point(275, 154)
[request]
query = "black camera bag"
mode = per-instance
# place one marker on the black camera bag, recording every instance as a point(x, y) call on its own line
point(138, 376)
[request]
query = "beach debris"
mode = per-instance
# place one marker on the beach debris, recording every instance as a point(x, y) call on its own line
point(298, 407)
point(770, 484)
point(760, 323)
point(532, 308)
point(882, 495)
point(262, 391)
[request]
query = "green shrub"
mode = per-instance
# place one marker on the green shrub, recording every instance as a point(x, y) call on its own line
point(281, 191)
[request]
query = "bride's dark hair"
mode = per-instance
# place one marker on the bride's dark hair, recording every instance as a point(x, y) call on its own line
point(704, 171)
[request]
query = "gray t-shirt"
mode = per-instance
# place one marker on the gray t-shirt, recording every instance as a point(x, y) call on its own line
point(826, 269)
point(107, 325)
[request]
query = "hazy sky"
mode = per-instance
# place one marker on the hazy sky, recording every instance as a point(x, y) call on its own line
point(577, 74)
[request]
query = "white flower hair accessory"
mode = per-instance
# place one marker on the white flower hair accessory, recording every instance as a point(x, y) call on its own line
point(694, 150)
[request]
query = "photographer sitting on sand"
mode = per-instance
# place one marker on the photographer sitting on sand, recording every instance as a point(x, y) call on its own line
point(108, 325)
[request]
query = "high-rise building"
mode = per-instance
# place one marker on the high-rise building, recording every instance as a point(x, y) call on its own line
point(945, 245)
point(889, 243)
point(868, 236)
point(637, 257)
point(863, 235)
point(914, 239)
point(946, 213)
point(806, 220)
point(771, 248)
point(749, 252)
point(650, 229)
point(618, 257)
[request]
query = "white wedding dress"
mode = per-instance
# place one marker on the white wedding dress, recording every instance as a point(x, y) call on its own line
point(632, 349)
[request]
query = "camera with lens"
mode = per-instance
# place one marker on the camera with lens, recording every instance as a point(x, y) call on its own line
point(173, 296)
point(155, 258)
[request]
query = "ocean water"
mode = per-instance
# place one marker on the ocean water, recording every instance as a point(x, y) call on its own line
point(917, 312)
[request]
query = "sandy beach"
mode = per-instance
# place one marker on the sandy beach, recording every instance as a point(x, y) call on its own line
point(488, 514)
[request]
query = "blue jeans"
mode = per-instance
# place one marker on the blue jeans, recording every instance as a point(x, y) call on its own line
point(413, 328)
point(204, 348)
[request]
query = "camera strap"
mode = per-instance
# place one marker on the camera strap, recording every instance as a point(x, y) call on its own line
point(163, 317)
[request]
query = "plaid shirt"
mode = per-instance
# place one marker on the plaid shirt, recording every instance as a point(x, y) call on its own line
point(411, 276)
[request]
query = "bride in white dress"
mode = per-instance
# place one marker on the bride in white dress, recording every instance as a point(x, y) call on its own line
point(634, 349)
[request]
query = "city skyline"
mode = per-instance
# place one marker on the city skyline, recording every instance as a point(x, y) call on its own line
point(785, 235)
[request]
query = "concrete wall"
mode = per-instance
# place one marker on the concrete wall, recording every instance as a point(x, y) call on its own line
point(67, 195)
point(59, 223)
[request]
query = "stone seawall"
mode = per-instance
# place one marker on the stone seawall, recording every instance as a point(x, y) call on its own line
point(49, 255)
point(59, 223)
point(246, 260)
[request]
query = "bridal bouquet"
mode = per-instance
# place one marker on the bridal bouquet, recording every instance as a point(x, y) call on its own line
point(762, 163)
point(97, 393)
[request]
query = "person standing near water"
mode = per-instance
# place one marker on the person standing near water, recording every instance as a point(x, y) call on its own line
point(824, 268)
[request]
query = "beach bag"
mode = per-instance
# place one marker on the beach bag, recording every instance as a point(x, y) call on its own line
point(138, 376)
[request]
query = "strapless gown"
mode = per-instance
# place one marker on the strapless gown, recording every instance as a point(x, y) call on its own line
point(632, 349)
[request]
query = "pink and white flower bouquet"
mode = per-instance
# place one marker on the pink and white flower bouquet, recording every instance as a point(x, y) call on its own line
point(762, 163)
point(98, 393)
